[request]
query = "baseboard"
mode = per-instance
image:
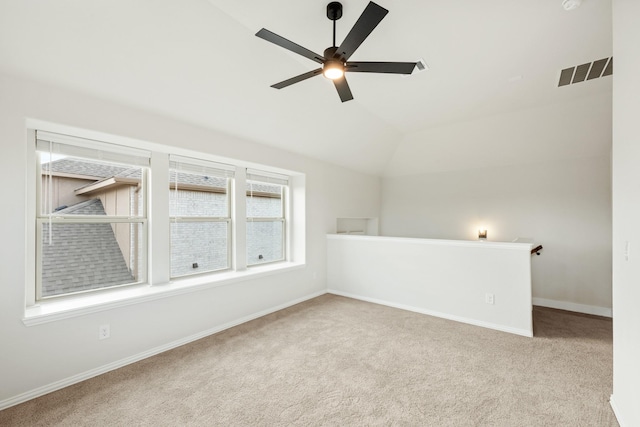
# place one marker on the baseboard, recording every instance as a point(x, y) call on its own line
point(616, 412)
point(572, 306)
point(517, 331)
point(40, 391)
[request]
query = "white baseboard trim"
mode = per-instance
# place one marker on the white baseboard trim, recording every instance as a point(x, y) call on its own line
point(572, 306)
point(517, 331)
point(57, 385)
point(616, 412)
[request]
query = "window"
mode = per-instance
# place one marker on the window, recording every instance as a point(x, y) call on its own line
point(110, 215)
point(200, 210)
point(266, 224)
point(91, 219)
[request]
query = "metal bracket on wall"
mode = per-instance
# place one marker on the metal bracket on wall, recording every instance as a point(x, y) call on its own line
point(536, 250)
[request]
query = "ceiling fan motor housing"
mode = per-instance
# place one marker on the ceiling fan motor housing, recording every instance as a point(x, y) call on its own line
point(330, 52)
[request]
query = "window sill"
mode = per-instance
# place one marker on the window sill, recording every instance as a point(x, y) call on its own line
point(79, 305)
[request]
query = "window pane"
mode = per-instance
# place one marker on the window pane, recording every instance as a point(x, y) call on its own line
point(264, 200)
point(198, 247)
point(265, 241)
point(87, 256)
point(89, 187)
point(187, 203)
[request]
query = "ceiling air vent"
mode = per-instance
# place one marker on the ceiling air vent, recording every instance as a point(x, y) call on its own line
point(588, 71)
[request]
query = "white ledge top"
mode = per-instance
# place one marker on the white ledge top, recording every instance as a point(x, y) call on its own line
point(81, 304)
point(441, 242)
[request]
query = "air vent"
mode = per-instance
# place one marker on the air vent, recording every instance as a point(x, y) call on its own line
point(581, 73)
point(596, 69)
point(588, 71)
point(609, 70)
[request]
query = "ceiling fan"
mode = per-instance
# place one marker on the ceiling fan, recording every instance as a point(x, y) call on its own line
point(335, 61)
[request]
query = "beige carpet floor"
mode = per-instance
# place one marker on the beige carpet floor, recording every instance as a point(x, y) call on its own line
point(335, 361)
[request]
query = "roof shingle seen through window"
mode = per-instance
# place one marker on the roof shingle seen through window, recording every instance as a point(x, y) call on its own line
point(82, 256)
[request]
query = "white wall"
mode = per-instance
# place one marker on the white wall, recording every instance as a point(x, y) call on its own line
point(563, 204)
point(626, 212)
point(443, 278)
point(566, 129)
point(33, 358)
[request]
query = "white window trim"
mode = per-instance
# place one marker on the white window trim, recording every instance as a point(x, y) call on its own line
point(159, 284)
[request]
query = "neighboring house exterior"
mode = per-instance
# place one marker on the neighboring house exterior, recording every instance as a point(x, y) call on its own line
point(96, 255)
point(198, 246)
point(263, 244)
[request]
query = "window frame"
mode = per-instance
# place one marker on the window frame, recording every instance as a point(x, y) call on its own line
point(41, 218)
point(175, 219)
point(283, 208)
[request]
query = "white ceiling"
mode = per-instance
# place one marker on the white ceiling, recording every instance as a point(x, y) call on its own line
point(199, 61)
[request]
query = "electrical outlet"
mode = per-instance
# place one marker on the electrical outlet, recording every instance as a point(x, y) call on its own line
point(104, 332)
point(489, 298)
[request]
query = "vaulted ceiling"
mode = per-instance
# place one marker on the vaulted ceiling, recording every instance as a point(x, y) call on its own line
point(199, 61)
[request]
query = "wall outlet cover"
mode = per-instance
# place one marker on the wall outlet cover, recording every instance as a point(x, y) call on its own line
point(104, 332)
point(489, 299)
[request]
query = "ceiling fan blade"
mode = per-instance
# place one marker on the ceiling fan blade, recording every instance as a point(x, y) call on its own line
point(381, 67)
point(289, 45)
point(297, 79)
point(343, 89)
point(369, 20)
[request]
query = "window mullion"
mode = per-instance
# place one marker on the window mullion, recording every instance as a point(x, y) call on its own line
point(158, 208)
point(239, 220)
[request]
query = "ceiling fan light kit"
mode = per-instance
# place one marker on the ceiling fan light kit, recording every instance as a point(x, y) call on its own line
point(335, 59)
point(333, 70)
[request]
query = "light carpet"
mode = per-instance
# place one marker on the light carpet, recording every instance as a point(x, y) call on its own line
point(336, 361)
